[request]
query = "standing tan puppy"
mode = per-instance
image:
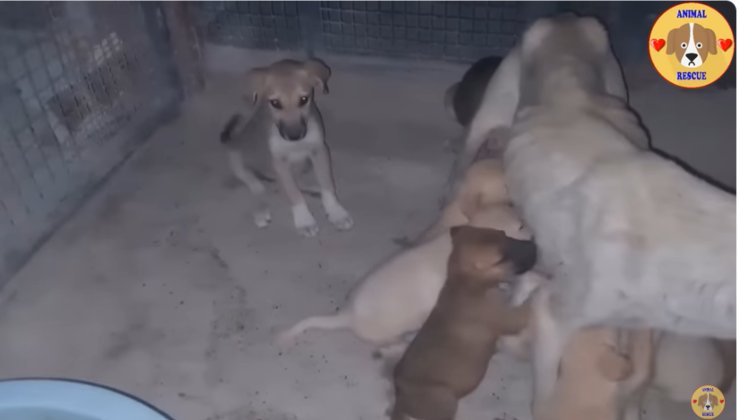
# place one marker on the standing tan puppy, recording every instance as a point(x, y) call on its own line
point(285, 130)
point(449, 356)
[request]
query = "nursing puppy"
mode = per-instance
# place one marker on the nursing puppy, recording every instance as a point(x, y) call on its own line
point(679, 364)
point(285, 130)
point(396, 298)
point(596, 381)
point(629, 238)
point(482, 187)
point(449, 356)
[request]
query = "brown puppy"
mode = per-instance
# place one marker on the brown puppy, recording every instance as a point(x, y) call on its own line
point(449, 356)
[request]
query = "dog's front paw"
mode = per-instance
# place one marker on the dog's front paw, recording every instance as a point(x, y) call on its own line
point(341, 221)
point(304, 221)
point(262, 218)
point(337, 215)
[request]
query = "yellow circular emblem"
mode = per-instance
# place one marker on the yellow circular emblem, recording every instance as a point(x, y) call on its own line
point(708, 402)
point(691, 45)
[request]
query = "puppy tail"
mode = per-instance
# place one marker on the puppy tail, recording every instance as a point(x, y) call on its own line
point(330, 322)
point(449, 101)
point(227, 134)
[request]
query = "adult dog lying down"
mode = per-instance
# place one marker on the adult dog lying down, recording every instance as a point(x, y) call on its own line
point(630, 238)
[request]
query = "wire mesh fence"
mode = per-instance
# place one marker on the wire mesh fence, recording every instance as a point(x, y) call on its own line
point(80, 83)
point(452, 30)
point(250, 24)
point(441, 30)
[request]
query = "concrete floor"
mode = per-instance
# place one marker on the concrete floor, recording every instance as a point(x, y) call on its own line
point(163, 287)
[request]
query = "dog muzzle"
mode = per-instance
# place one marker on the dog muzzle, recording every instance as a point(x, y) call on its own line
point(292, 132)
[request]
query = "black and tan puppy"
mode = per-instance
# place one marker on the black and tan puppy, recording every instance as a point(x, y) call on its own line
point(449, 356)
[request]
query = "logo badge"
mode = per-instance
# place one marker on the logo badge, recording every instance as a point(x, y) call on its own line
point(691, 45)
point(707, 402)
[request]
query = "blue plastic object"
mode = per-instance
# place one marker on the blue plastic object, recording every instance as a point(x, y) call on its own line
point(64, 399)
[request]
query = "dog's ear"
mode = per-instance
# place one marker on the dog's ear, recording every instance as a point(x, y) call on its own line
point(670, 46)
point(711, 39)
point(596, 33)
point(534, 36)
point(255, 81)
point(319, 72)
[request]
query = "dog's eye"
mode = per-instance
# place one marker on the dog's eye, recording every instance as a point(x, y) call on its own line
point(303, 100)
point(684, 45)
point(699, 45)
point(276, 104)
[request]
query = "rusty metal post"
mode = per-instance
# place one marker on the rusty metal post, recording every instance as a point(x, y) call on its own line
point(187, 47)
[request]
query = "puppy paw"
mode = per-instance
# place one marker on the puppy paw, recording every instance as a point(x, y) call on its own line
point(337, 215)
point(342, 221)
point(262, 218)
point(304, 221)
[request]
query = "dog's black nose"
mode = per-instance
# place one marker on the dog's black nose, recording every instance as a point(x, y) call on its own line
point(691, 56)
point(293, 132)
point(294, 136)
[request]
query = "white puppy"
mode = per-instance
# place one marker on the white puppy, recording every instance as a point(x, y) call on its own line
point(397, 298)
point(629, 238)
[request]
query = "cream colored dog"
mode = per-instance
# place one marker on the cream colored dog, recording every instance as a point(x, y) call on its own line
point(630, 239)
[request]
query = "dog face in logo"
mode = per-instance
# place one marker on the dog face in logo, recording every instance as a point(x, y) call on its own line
point(691, 44)
point(708, 401)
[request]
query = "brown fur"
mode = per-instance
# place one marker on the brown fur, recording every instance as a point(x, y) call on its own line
point(707, 398)
point(449, 356)
point(682, 34)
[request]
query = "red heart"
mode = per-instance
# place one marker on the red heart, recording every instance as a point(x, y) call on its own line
point(658, 43)
point(721, 401)
point(725, 44)
point(695, 401)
